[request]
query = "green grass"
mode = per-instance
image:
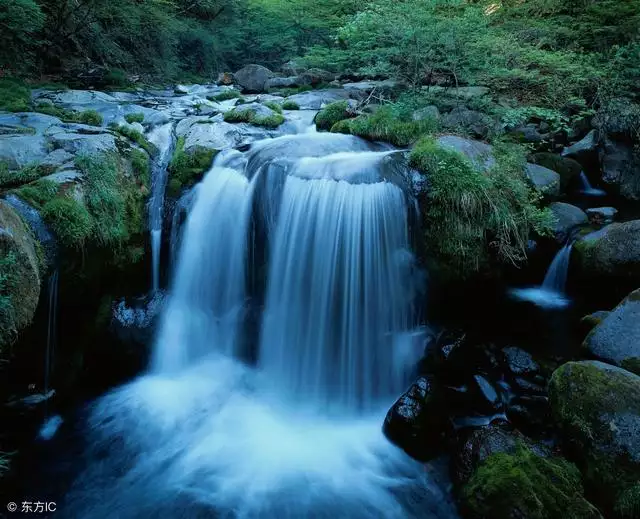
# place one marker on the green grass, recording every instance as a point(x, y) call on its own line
point(134, 118)
point(471, 218)
point(69, 220)
point(225, 96)
point(290, 105)
point(238, 115)
point(274, 106)
point(38, 193)
point(135, 136)
point(187, 168)
point(15, 178)
point(332, 114)
point(15, 96)
point(90, 117)
point(141, 165)
point(7, 311)
point(290, 91)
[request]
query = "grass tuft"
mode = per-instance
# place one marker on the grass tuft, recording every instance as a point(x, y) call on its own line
point(134, 118)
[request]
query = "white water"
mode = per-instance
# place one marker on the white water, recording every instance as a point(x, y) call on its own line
point(298, 435)
point(552, 292)
point(162, 138)
point(586, 187)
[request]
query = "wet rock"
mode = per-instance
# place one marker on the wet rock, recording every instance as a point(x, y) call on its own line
point(292, 68)
point(253, 78)
point(567, 218)
point(602, 215)
point(479, 153)
point(544, 180)
point(226, 78)
point(530, 133)
point(282, 82)
point(416, 422)
point(70, 98)
point(597, 409)
point(428, 112)
point(503, 475)
point(77, 143)
point(181, 89)
point(567, 168)
point(583, 150)
point(490, 400)
point(19, 151)
point(519, 361)
point(20, 269)
point(620, 168)
point(613, 251)
point(479, 124)
point(58, 158)
point(616, 339)
point(133, 321)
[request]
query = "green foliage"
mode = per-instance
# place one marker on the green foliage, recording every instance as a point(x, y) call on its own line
point(471, 217)
point(7, 312)
point(226, 95)
point(9, 178)
point(274, 106)
point(332, 114)
point(38, 193)
point(90, 117)
point(69, 219)
point(246, 115)
point(187, 168)
point(20, 22)
point(290, 105)
point(389, 123)
point(134, 118)
point(290, 91)
point(15, 96)
point(116, 77)
point(135, 136)
point(527, 485)
point(141, 165)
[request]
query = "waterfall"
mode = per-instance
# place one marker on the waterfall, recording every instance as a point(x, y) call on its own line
point(586, 187)
point(551, 294)
point(297, 432)
point(163, 138)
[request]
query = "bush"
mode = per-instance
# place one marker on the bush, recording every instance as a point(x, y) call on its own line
point(69, 220)
point(134, 118)
point(15, 96)
point(388, 124)
point(290, 105)
point(471, 217)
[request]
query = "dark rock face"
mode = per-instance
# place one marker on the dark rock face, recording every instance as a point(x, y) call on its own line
point(616, 340)
point(503, 475)
point(585, 150)
point(544, 180)
point(519, 361)
point(602, 215)
point(567, 218)
point(597, 408)
point(620, 168)
point(476, 122)
point(416, 422)
point(253, 78)
point(568, 169)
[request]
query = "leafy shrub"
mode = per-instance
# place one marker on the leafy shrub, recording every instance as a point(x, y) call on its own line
point(134, 118)
point(90, 117)
point(116, 77)
point(471, 217)
point(15, 96)
point(69, 219)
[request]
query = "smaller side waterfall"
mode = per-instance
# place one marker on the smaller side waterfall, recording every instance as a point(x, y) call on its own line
point(163, 138)
point(587, 189)
point(551, 294)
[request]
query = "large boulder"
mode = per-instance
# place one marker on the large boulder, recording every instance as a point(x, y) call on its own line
point(84, 144)
point(567, 217)
point(545, 181)
point(584, 150)
point(620, 168)
point(567, 168)
point(477, 123)
point(315, 77)
point(597, 409)
point(479, 153)
point(19, 275)
point(253, 78)
point(503, 475)
point(613, 251)
point(616, 339)
point(416, 421)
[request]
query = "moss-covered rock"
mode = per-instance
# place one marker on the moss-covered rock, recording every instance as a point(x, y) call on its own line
point(19, 275)
point(256, 114)
point(503, 475)
point(188, 168)
point(332, 114)
point(597, 408)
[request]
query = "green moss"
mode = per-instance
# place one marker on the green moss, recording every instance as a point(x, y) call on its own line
point(290, 105)
point(69, 220)
point(389, 124)
point(628, 504)
point(290, 91)
point(188, 168)
point(15, 96)
point(90, 117)
point(274, 106)
point(331, 114)
point(141, 165)
point(135, 136)
point(38, 193)
point(632, 364)
point(588, 399)
point(225, 96)
point(471, 217)
point(239, 115)
point(134, 118)
point(31, 173)
point(526, 485)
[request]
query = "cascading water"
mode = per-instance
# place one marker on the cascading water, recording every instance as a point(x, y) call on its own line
point(552, 292)
point(163, 139)
point(587, 188)
point(299, 433)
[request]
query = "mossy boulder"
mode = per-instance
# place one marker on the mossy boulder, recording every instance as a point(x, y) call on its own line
point(597, 409)
point(256, 114)
point(19, 275)
point(616, 339)
point(567, 217)
point(612, 252)
point(505, 476)
point(568, 169)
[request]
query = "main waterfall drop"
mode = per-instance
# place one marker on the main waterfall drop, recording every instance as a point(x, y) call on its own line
point(282, 419)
